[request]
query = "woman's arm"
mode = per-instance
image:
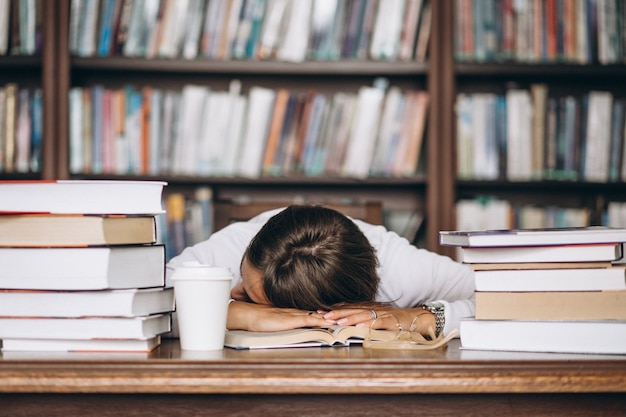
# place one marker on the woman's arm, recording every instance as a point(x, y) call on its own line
point(256, 317)
point(412, 276)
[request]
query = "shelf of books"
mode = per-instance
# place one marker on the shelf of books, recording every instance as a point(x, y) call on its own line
point(539, 112)
point(324, 101)
point(21, 91)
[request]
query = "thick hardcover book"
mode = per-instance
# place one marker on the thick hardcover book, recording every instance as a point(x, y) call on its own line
point(551, 305)
point(81, 197)
point(116, 303)
point(74, 345)
point(551, 253)
point(95, 268)
point(84, 328)
point(533, 237)
point(599, 337)
point(306, 337)
point(37, 230)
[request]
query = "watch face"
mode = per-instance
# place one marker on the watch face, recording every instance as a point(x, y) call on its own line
point(434, 304)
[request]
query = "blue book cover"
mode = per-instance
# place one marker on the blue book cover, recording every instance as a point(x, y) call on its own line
point(36, 130)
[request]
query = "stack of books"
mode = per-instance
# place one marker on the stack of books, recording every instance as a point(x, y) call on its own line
point(546, 290)
point(81, 269)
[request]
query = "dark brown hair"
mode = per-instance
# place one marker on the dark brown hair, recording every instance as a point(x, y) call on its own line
point(313, 257)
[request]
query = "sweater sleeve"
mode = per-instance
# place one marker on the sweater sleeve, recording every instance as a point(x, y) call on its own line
point(412, 276)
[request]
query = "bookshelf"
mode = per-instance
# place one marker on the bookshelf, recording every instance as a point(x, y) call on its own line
point(566, 77)
point(30, 70)
point(434, 189)
point(327, 76)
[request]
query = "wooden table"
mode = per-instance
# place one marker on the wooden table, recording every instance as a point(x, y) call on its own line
point(311, 382)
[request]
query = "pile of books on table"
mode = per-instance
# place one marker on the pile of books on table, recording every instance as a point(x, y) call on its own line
point(81, 269)
point(545, 290)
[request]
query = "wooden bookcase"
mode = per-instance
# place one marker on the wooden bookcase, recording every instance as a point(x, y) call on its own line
point(435, 192)
point(40, 71)
point(418, 192)
point(561, 79)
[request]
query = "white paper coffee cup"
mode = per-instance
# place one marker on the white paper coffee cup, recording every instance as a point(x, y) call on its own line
point(202, 293)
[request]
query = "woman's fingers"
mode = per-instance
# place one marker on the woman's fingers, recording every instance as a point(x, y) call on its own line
point(353, 317)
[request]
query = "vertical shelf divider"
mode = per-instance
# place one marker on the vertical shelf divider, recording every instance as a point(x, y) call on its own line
point(440, 193)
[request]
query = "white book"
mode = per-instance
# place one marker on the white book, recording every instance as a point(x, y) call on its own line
point(75, 23)
point(533, 237)
point(616, 211)
point(235, 127)
point(102, 303)
point(553, 253)
point(272, 24)
point(173, 29)
point(156, 132)
point(260, 108)
point(23, 131)
point(390, 122)
point(484, 141)
point(143, 21)
point(314, 134)
point(212, 136)
point(88, 25)
point(132, 132)
point(385, 43)
point(607, 31)
point(227, 130)
point(149, 28)
point(557, 279)
point(321, 28)
point(191, 40)
point(464, 136)
point(171, 110)
point(85, 328)
point(597, 138)
point(363, 132)
point(293, 46)
point(83, 268)
point(27, 27)
point(77, 345)
point(519, 135)
point(337, 136)
point(135, 26)
point(193, 101)
point(601, 337)
point(81, 197)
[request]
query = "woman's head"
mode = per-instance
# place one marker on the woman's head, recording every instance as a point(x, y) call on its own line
point(312, 257)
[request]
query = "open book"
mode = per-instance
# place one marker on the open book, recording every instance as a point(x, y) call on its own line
point(305, 337)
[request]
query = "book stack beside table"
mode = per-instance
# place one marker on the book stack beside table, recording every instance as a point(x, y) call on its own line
point(81, 269)
point(546, 290)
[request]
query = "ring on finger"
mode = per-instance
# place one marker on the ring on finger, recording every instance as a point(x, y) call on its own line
point(374, 315)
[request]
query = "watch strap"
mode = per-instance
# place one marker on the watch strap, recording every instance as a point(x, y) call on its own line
point(437, 309)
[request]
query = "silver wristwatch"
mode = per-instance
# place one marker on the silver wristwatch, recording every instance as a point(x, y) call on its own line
point(438, 311)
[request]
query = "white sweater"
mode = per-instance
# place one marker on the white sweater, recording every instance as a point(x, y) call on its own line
point(408, 276)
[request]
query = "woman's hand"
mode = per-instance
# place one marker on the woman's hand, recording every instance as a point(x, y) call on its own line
point(264, 318)
point(387, 318)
